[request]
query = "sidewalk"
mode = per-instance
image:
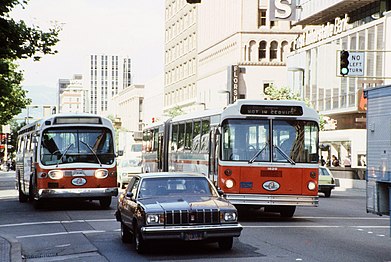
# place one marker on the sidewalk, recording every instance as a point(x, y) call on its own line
point(10, 249)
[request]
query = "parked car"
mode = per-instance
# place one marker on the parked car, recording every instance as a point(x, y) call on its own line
point(126, 168)
point(326, 181)
point(187, 207)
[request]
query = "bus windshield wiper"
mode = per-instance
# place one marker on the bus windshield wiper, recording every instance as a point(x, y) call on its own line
point(92, 150)
point(63, 154)
point(290, 160)
point(258, 153)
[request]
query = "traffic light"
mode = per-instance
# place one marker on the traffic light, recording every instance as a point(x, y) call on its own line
point(344, 63)
point(193, 1)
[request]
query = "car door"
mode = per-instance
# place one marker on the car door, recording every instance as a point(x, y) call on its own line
point(129, 204)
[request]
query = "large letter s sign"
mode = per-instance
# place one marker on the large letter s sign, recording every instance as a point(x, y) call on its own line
point(283, 10)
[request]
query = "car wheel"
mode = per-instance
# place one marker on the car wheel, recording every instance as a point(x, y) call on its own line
point(287, 211)
point(126, 236)
point(105, 202)
point(37, 203)
point(226, 243)
point(327, 193)
point(139, 243)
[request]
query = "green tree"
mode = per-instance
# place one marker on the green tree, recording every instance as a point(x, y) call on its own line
point(19, 41)
point(175, 111)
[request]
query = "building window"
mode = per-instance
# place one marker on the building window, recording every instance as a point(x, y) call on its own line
point(262, 50)
point(261, 17)
point(273, 50)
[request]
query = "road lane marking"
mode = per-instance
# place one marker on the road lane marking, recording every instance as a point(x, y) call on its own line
point(62, 233)
point(57, 222)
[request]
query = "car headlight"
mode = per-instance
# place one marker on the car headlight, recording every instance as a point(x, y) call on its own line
point(101, 173)
point(56, 174)
point(230, 216)
point(154, 219)
point(311, 185)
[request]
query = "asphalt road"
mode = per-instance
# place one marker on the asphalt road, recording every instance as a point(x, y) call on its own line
point(338, 230)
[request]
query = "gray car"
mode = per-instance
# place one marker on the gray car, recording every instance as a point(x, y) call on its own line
point(160, 206)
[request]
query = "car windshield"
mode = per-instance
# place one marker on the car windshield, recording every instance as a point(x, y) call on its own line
point(166, 186)
point(130, 162)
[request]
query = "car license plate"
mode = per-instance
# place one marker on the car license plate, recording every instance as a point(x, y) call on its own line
point(194, 236)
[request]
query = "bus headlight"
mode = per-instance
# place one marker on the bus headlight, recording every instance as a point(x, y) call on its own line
point(101, 173)
point(229, 183)
point(311, 185)
point(56, 174)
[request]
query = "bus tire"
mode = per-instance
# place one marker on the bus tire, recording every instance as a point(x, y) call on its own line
point(22, 196)
point(105, 202)
point(287, 211)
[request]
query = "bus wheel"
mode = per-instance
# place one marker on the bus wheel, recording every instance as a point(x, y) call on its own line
point(37, 203)
point(287, 211)
point(105, 202)
point(22, 197)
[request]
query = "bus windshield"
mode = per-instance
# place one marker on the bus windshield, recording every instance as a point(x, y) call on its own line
point(264, 140)
point(89, 145)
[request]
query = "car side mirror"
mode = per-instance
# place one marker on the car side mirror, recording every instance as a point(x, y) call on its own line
point(221, 192)
point(129, 195)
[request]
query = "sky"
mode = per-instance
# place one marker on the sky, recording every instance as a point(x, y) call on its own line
point(133, 28)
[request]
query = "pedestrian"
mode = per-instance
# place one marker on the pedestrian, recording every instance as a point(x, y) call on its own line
point(335, 161)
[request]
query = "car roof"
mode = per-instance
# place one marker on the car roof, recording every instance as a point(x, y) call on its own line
point(169, 174)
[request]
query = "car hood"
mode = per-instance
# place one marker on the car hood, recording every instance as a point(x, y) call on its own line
point(184, 203)
point(129, 169)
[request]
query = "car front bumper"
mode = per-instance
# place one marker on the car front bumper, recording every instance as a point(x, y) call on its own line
point(183, 232)
point(326, 187)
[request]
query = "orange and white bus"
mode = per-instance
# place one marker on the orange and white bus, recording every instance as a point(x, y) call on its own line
point(261, 153)
point(67, 156)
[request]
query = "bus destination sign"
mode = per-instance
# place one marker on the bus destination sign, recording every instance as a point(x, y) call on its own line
point(271, 110)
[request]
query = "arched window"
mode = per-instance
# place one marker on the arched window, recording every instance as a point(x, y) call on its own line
point(273, 50)
point(262, 50)
point(284, 51)
point(252, 51)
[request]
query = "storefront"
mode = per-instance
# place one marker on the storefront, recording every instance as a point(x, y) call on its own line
point(314, 71)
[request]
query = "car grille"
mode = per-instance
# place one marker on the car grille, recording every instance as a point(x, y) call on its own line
point(198, 216)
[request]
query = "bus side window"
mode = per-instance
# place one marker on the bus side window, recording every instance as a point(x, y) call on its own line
point(174, 138)
point(181, 136)
point(196, 136)
point(188, 135)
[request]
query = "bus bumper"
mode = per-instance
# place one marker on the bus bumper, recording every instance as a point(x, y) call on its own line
point(272, 200)
point(77, 192)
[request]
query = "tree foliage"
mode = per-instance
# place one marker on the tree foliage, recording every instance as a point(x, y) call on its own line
point(175, 111)
point(19, 41)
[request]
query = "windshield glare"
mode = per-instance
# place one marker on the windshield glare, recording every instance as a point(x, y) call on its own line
point(59, 146)
point(293, 141)
point(151, 187)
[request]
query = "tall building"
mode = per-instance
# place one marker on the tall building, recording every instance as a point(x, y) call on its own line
point(220, 51)
point(108, 75)
point(180, 54)
point(73, 96)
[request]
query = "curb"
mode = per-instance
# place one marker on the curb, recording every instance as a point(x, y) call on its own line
point(15, 254)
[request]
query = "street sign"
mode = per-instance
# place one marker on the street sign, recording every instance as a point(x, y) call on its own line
point(356, 63)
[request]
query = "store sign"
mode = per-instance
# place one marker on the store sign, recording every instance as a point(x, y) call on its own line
point(356, 63)
point(328, 30)
point(282, 10)
point(235, 83)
